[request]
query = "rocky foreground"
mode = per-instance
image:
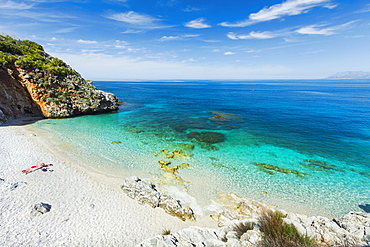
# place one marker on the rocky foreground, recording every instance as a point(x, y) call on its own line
point(34, 83)
point(352, 229)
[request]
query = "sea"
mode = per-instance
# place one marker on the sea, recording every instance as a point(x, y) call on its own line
point(302, 145)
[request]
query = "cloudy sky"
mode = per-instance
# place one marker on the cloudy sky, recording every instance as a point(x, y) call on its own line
point(197, 39)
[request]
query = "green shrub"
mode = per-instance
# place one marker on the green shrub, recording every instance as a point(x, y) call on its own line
point(6, 59)
point(29, 62)
point(30, 55)
point(277, 233)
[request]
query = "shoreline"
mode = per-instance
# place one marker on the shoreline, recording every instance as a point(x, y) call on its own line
point(88, 208)
point(107, 172)
point(85, 211)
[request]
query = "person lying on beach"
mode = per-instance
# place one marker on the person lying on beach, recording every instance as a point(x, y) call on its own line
point(44, 167)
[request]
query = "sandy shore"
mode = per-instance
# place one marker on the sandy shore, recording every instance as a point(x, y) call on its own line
point(84, 210)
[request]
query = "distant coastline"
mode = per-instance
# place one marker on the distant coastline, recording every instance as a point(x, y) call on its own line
point(349, 75)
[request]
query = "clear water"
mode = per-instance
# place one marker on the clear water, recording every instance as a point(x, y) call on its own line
point(300, 143)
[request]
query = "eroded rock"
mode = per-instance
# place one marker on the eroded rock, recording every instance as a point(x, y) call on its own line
point(143, 192)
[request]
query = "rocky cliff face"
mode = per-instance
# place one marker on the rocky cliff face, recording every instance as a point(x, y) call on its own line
point(32, 82)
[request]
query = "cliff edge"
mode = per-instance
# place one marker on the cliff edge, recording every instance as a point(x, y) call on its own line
point(34, 83)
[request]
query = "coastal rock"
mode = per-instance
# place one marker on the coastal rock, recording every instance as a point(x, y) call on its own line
point(33, 83)
point(356, 223)
point(39, 209)
point(237, 208)
point(143, 192)
point(174, 208)
point(192, 236)
point(351, 229)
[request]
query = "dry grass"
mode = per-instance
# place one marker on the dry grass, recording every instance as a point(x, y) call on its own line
point(276, 233)
point(243, 227)
point(166, 232)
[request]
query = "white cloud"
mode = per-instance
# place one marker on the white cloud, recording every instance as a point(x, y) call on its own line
point(228, 53)
point(365, 9)
point(138, 20)
point(134, 18)
point(65, 30)
point(89, 42)
point(132, 31)
point(287, 8)
point(317, 30)
point(169, 38)
point(252, 35)
point(179, 37)
point(191, 9)
point(197, 23)
point(15, 5)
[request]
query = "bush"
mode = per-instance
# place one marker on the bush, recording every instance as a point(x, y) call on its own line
point(276, 233)
point(6, 59)
point(30, 55)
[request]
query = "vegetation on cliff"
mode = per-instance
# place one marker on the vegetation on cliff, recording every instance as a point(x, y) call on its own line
point(58, 90)
point(30, 55)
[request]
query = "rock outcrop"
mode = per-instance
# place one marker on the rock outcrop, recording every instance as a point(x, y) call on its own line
point(35, 83)
point(233, 213)
point(147, 193)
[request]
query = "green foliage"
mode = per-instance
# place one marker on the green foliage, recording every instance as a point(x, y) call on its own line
point(55, 70)
point(57, 62)
point(277, 233)
point(29, 62)
point(30, 55)
point(6, 59)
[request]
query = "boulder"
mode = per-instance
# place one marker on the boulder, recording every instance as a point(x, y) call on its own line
point(356, 223)
point(143, 192)
point(39, 209)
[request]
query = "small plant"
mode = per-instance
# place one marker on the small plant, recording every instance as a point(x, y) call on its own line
point(166, 232)
point(242, 227)
point(224, 238)
point(277, 233)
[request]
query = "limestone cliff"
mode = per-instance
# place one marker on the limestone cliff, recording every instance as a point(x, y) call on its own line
point(33, 82)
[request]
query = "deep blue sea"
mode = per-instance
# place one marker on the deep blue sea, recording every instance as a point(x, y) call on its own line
point(303, 145)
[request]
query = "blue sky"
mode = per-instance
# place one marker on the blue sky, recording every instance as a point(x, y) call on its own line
point(197, 39)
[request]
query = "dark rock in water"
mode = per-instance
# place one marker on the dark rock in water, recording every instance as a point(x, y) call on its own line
point(40, 208)
point(185, 146)
point(207, 137)
point(269, 168)
point(320, 165)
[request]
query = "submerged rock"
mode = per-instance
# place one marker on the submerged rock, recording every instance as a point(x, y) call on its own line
point(207, 137)
point(269, 168)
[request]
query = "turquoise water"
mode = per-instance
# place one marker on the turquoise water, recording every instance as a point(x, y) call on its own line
point(300, 143)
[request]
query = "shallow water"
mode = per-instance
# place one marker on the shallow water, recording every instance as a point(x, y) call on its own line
point(300, 143)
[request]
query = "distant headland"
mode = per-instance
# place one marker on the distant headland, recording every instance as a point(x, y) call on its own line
point(350, 75)
point(34, 83)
